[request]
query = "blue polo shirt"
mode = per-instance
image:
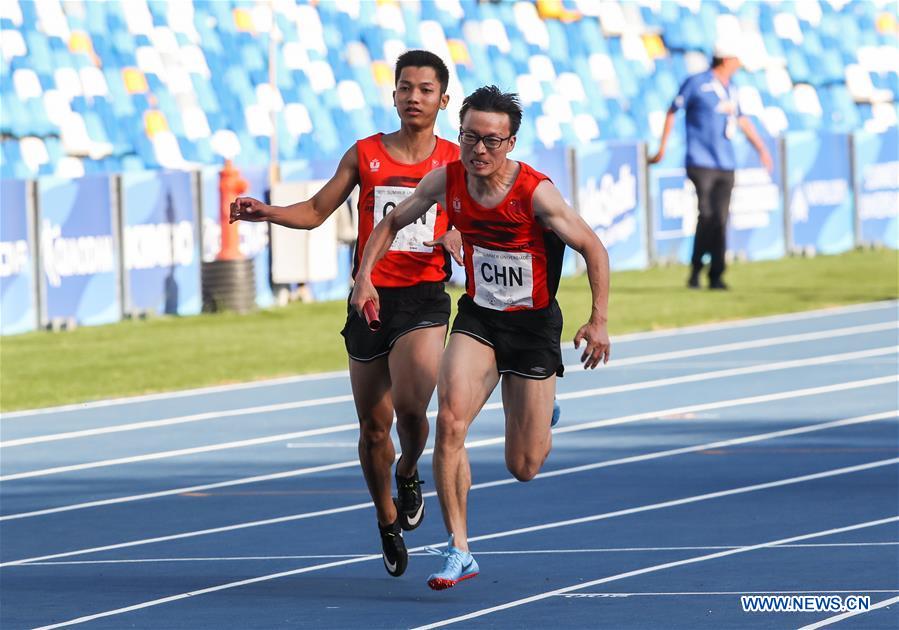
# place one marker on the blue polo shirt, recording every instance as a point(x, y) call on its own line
point(712, 113)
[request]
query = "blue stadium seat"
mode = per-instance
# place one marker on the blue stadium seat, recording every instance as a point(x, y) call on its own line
point(237, 56)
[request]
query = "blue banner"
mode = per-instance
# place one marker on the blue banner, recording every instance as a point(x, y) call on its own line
point(554, 164)
point(877, 186)
point(17, 287)
point(254, 241)
point(161, 246)
point(819, 190)
point(611, 200)
point(672, 206)
point(756, 224)
point(79, 265)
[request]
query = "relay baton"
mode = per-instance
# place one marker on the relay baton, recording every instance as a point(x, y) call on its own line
point(371, 316)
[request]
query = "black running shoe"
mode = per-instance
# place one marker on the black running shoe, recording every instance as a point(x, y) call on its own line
point(410, 505)
point(394, 553)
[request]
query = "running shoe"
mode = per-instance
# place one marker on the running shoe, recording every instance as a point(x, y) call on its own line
point(394, 553)
point(557, 413)
point(410, 505)
point(458, 565)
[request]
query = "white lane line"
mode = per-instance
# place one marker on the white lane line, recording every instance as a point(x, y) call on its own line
point(614, 389)
point(761, 321)
point(307, 515)
point(209, 448)
point(745, 345)
point(217, 415)
point(475, 444)
point(837, 618)
point(322, 444)
point(167, 422)
point(652, 569)
point(183, 393)
point(823, 591)
point(319, 567)
point(740, 371)
point(673, 332)
point(518, 552)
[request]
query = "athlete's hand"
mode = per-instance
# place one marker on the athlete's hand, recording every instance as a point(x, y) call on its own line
point(598, 347)
point(451, 241)
point(363, 291)
point(249, 209)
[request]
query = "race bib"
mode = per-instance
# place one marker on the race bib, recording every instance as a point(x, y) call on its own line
point(502, 279)
point(411, 237)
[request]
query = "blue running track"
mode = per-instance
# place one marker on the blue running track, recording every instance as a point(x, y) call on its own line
point(700, 465)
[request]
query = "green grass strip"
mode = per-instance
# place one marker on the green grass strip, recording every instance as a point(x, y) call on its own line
point(169, 353)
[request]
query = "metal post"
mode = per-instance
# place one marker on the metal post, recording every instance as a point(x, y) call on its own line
point(39, 289)
point(274, 175)
point(785, 189)
point(856, 192)
point(117, 210)
point(643, 183)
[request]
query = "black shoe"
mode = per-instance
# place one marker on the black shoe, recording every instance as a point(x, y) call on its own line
point(693, 282)
point(718, 285)
point(394, 553)
point(410, 505)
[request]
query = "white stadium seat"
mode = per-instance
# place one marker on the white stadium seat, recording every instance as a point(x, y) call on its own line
point(26, 83)
point(93, 82)
point(297, 119)
point(196, 125)
point(350, 96)
point(34, 152)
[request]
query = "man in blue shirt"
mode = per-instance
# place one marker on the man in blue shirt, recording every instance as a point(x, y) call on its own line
point(713, 116)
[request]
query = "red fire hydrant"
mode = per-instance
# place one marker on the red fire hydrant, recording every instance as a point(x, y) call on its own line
point(231, 186)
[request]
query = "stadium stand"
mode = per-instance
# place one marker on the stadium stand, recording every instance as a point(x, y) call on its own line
point(121, 86)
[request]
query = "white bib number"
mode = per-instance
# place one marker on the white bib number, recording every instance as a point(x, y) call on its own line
point(502, 279)
point(412, 237)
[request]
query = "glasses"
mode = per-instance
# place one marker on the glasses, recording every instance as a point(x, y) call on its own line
point(490, 142)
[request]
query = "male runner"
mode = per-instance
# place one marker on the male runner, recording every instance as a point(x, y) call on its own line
point(514, 225)
point(393, 370)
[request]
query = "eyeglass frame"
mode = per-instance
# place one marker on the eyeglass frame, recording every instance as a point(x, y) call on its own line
point(483, 139)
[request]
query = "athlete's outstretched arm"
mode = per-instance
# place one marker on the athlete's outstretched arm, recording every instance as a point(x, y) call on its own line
point(310, 213)
point(430, 190)
point(551, 209)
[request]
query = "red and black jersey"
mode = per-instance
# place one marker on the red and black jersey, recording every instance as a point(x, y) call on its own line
point(512, 262)
point(383, 183)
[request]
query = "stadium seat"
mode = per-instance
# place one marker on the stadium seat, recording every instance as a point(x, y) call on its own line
point(94, 74)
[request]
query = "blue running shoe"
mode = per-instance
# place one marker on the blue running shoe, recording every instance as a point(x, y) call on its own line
point(557, 413)
point(458, 565)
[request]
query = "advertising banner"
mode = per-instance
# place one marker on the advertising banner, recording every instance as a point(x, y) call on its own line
point(819, 192)
point(254, 241)
point(877, 186)
point(555, 164)
point(161, 244)
point(611, 200)
point(672, 206)
point(756, 226)
point(78, 250)
point(18, 304)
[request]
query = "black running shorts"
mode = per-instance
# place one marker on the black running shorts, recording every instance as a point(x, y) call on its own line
point(526, 343)
point(403, 309)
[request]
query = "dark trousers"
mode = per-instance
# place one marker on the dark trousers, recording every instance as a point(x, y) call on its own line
point(713, 189)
